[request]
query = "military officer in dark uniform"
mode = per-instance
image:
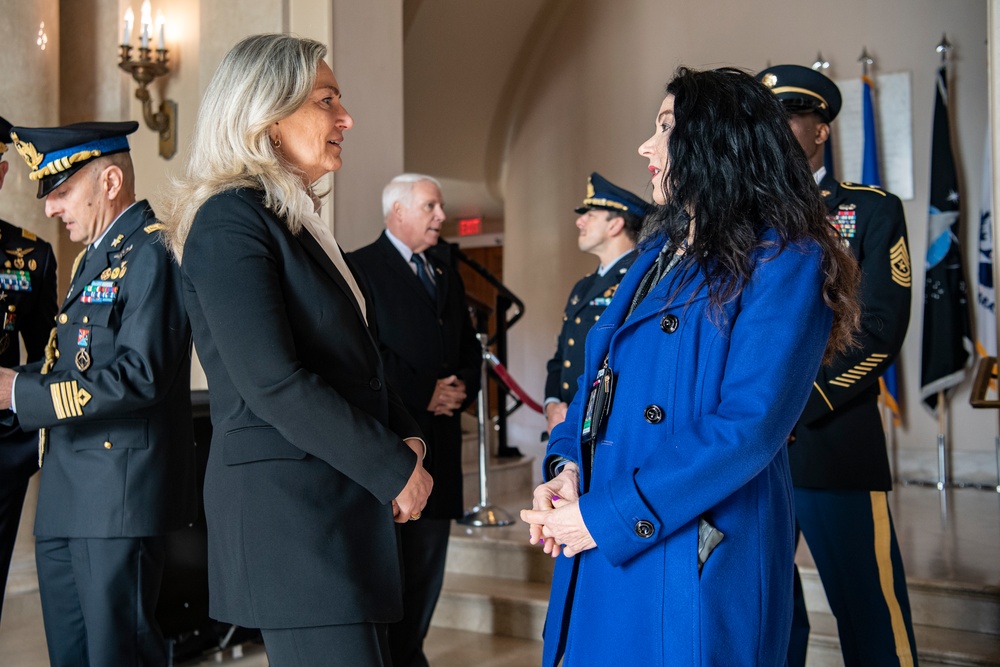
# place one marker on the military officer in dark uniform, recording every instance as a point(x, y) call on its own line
point(839, 464)
point(112, 400)
point(28, 301)
point(609, 224)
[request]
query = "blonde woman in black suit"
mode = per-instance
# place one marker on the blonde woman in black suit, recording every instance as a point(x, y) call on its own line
point(313, 456)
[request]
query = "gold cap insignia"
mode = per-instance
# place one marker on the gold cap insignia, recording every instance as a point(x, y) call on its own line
point(27, 151)
point(770, 80)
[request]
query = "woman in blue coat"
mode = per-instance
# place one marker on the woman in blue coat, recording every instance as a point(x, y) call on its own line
point(667, 487)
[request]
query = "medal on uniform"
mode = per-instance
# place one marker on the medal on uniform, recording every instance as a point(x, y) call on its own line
point(99, 291)
point(32, 264)
point(575, 300)
point(9, 319)
point(15, 281)
point(19, 254)
point(83, 359)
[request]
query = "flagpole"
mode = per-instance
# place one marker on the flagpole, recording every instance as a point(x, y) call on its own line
point(942, 415)
point(993, 11)
point(944, 47)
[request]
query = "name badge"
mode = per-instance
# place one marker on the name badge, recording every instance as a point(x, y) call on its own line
point(598, 403)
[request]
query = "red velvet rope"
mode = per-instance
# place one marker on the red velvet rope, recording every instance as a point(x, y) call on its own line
point(506, 378)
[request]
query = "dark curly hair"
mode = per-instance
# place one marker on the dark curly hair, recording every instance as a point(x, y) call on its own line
point(736, 170)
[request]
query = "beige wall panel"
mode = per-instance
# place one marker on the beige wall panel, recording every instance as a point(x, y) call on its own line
point(368, 62)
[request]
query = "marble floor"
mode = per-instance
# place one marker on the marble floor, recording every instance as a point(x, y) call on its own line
point(948, 537)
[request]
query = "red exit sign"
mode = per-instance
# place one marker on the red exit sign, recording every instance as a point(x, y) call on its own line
point(470, 226)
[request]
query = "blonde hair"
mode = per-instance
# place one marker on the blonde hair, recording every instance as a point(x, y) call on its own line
point(262, 80)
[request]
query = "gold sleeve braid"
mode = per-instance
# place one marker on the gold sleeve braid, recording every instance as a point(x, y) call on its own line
point(50, 361)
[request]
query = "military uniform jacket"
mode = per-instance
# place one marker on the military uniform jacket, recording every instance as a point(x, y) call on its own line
point(307, 449)
point(28, 301)
point(119, 459)
point(422, 340)
point(839, 440)
point(590, 296)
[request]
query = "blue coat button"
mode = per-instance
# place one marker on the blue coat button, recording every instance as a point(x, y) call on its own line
point(653, 414)
point(669, 323)
point(375, 384)
point(644, 529)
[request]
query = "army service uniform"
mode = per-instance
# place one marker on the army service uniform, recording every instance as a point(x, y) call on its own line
point(590, 296)
point(840, 468)
point(28, 301)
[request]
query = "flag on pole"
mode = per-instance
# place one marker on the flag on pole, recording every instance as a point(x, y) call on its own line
point(986, 329)
point(872, 175)
point(870, 172)
point(947, 342)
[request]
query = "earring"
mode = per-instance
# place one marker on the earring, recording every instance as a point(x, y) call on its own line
point(276, 143)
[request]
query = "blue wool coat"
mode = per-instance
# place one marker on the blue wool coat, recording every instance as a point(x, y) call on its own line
point(729, 391)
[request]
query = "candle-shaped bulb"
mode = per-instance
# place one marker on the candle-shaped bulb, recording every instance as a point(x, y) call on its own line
point(160, 22)
point(127, 34)
point(147, 21)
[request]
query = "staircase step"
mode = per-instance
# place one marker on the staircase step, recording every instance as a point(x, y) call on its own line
point(446, 647)
point(936, 647)
point(492, 605)
point(950, 606)
point(500, 552)
point(507, 479)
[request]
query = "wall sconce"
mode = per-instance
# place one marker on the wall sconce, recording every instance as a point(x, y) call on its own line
point(144, 69)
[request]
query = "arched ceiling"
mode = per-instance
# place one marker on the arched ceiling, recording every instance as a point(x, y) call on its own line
point(465, 62)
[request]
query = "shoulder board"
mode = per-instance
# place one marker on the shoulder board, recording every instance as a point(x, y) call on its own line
point(869, 188)
point(155, 227)
point(28, 235)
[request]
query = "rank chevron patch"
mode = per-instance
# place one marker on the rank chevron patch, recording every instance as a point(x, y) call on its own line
point(899, 260)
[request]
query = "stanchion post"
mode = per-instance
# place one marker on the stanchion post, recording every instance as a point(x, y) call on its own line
point(484, 514)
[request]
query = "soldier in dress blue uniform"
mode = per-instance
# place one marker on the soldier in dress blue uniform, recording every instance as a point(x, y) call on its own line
point(609, 223)
point(840, 468)
point(28, 301)
point(112, 400)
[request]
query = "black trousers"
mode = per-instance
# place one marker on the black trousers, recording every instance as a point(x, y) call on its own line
point(99, 600)
point(853, 544)
point(424, 548)
point(11, 502)
point(355, 645)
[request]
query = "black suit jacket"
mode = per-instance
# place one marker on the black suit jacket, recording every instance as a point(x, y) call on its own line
point(120, 455)
point(587, 302)
point(421, 341)
point(29, 304)
point(839, 440)
point(307, 449)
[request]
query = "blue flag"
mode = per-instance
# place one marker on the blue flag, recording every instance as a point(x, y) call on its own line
point(870, 172)
point(872, 175)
